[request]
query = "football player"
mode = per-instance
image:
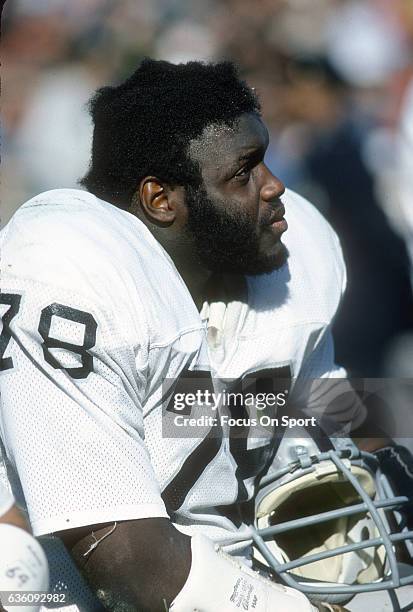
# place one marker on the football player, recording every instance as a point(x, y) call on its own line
point(177, 263)
point(23, 564)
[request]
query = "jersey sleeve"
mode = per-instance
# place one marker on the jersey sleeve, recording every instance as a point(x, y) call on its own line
point(73, 385)
point(6, 500)
point(323, 391)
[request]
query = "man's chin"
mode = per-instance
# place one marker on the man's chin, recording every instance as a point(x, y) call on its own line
point(253, 265)
point(274, 261)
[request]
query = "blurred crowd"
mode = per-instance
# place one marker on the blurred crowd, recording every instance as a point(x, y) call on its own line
point(334, 79)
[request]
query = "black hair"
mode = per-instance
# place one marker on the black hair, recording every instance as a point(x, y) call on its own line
point(143, 126)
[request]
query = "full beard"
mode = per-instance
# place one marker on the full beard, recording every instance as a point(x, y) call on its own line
point(228, 242)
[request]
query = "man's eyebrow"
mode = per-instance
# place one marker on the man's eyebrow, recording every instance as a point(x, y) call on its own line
point(252, 153)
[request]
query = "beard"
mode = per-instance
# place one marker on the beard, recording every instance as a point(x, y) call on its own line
point(227, 241)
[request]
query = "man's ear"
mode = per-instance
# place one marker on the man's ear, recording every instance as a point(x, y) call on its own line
point(159, 201)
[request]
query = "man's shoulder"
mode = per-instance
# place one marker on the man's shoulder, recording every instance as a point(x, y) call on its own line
point(53, 214)
point(69, 244)
point(310, 285)
point(72, 231)
point(316, 257)
point(315, 251)
point(306, 219)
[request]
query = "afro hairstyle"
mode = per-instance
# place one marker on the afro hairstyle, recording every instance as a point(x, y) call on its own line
point(143, 127)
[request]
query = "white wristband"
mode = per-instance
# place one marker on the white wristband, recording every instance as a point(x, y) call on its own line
point(23, 564)
point(218, 581)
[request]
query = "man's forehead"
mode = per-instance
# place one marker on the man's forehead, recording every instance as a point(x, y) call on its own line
point(246, 134)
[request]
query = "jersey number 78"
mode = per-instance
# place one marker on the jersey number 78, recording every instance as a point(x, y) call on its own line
point(13, 301)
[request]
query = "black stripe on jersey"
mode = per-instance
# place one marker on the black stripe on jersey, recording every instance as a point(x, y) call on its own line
point(176, 491)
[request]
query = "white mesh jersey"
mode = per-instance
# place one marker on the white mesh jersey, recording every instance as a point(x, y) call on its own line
point(6, 499)
point(95, 317)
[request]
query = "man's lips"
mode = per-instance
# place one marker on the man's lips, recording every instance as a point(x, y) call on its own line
point(281, 226)
point(278, 215)
point(277, 220)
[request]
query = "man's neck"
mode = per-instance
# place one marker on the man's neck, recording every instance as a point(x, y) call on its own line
point(194, 275)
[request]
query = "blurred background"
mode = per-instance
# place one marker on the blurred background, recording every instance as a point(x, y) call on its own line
point(335, 79)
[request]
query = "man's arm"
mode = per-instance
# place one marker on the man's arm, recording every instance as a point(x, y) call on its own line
point(142, 565)
point(148, 565)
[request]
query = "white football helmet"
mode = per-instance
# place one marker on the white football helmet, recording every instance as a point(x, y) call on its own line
point(324, 518)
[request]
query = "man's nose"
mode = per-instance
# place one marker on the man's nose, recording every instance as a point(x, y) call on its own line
point(272, 188)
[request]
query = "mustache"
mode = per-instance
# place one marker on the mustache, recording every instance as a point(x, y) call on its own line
point(275, 213)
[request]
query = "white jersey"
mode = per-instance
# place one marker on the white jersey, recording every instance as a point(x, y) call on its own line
point(96, 317)
point(6, 499)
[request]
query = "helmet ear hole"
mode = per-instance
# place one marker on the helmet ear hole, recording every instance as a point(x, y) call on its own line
point(365, 534)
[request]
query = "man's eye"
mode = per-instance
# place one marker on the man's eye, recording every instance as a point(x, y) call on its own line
point(243, 172)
